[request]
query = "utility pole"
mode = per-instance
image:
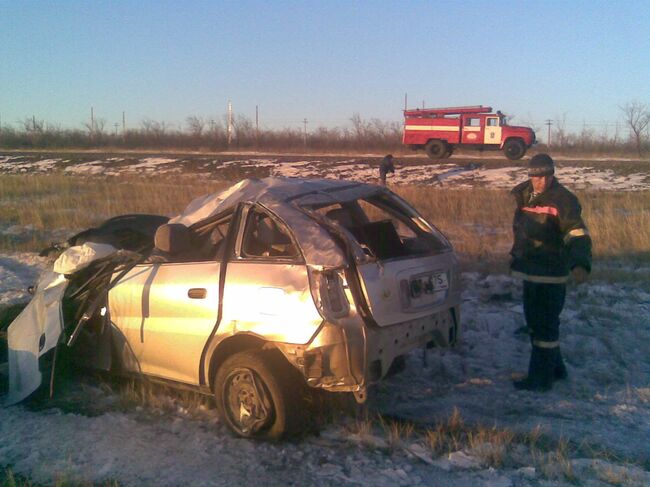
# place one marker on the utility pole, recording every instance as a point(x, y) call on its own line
point(123, 125)
point(116, 125)
point(92, 125)
point(33, 123)
point(257, 125)
point(549, 122)
point(229, 123)
point(304, 136)
point(405, 101)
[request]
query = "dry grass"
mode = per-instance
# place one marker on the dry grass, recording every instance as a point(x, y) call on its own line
point(481, 219)
point(620, 476)
point(52, 202)
point(159, 397)
point(12, 480)
point(555, 464)
point(477, 221)
point(397, 432)
point(490, 444)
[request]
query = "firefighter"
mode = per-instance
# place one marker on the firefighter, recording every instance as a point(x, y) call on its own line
point(551, 243)
point(386, 166)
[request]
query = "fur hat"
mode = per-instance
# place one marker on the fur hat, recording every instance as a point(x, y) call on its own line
point(541, 165)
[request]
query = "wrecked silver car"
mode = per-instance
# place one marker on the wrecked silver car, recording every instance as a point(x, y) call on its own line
point(250, 294)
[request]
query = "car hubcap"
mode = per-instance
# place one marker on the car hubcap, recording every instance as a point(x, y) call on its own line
point(247, 401)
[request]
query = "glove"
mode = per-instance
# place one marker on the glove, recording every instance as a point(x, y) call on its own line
point(579, 275)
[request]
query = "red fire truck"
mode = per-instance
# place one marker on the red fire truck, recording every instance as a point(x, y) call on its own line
point(438, 131)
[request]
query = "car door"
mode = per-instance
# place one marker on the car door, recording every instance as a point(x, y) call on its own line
point(166, 311)
point(472, 131)
point(267, 291)
point(492, 131)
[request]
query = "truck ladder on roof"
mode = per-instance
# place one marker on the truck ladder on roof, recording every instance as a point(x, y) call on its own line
point(440, 112)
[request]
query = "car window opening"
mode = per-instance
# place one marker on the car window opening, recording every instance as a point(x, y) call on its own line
point(382, 228)
point(178, 243)
point(264, 237)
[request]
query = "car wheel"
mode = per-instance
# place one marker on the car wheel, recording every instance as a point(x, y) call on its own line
point(257, 396)
point(436, 148)
point(514, 149)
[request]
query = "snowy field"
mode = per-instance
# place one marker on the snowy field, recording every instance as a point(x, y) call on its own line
point(454, 172)
point(603, 410)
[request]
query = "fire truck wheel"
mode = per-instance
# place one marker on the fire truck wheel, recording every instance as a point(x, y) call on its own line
point(436, 149)
point(514, 149)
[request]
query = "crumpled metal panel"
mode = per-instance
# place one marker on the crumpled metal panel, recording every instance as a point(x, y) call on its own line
point(35, 331)
point(315, 242)
point(271, 301)
point(79, 256)
point(278, 194)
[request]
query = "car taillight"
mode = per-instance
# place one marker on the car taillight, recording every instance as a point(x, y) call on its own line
point(332, 291)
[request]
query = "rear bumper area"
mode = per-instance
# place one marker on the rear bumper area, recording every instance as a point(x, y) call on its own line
point(348, 359)
point(385, 344)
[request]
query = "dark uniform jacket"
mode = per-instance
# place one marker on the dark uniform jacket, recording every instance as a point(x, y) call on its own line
point(386, 166)
point(550, 237)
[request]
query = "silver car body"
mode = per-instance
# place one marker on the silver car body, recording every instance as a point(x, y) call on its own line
point(337, 312)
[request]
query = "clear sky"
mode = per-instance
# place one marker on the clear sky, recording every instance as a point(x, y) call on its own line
point(321, 60)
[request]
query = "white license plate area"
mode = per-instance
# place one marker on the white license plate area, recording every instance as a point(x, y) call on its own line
point(424, 289)
point(427, 284)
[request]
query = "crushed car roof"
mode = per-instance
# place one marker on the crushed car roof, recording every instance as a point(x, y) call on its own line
point(286, 198)
point(274, 190)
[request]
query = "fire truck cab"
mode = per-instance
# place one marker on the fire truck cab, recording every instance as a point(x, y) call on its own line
point(438, 131)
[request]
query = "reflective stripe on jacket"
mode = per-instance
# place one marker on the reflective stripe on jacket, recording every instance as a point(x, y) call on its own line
point(550, 237)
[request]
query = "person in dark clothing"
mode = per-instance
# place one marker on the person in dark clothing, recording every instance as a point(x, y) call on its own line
point(386, 166)
point(551, 244)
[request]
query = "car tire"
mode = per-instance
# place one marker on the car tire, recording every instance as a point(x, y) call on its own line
point(514, 149)
point(436, 148)
point(257, 395)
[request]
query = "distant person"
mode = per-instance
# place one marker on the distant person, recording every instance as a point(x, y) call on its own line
point(386, 166)
point(551, 243)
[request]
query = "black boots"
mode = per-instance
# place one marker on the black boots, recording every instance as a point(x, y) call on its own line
point(542, 370)
point(560, 372)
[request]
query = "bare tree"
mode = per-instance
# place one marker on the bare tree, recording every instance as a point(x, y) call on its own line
point(97, 128)
point(196, 125)
point(152, 127)
point(31, 124)
point(637, 117)
point(560, 130)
